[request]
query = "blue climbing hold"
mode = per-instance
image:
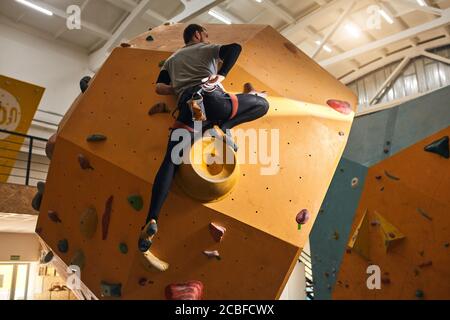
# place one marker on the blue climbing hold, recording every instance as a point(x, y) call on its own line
point(63, 245)
point(113, 290)
point(440, 147)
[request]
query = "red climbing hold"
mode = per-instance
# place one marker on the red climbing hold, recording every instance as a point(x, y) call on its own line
point(192, 290)
point(106, 217)
point(340, 106)
point(216, 231)
point(53, 216)
point(302, 217)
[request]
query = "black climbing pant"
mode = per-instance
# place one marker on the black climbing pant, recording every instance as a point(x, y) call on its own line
point(218, 109)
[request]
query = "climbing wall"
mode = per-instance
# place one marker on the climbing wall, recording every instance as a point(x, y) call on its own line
point(406, 201)
point(108, 151)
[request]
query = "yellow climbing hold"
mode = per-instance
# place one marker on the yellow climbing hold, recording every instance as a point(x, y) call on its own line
point(360, 242)
point(388, 231)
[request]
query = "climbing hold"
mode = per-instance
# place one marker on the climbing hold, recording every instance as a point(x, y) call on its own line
point(446, 245)
point(390, 176)
point(142, 282)
point(53, 216)
point(136, 202)
point(217, 232)
point(84, 162)
point(160, 107)
point(336, 235)
point(149, 38)
point(360, 238)
point(39, 230)
point(389, 232)
point(113, 290)
point(212, 254)
point(378, 177)
point(424, 214)
point(151, 262)
point(192, 290)
point(125, 45)
point(440, 147)
point(107, 217)
point(161, 63)
point(426, 264)
point(84, 83)
point(50, 146)
point(48, 257)
point(36, 202)
point(419, 294)
point(302, 217)
point(340, 106)
point(326, 274)
point(123, 248)
point(355, 182)
point(63, 245)
point(41, 187)
point(78, 259)
point(385, 280)
point(341, 133)
point(386, 150)
point(96, 138)
point(88, 222)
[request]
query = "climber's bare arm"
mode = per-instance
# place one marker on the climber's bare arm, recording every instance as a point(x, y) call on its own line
point(164, 84)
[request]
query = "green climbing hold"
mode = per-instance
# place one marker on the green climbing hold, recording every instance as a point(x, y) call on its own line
point(440, 147)
point(299, 226)
point(96, 138)
point(123, 248)
point(78, 259)
point(136, 202)
point(63, 245)
point(111, 289)
point(419, 294)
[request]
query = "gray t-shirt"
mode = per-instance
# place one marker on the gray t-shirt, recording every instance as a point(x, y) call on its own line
point(190, 65)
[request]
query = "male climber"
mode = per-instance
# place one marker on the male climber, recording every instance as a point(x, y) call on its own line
point(192, 75)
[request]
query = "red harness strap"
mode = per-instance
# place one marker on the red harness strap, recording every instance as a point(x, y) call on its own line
point(235, 104)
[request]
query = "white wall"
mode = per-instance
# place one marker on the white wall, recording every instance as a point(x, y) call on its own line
point(46, 63)
point(25, 245)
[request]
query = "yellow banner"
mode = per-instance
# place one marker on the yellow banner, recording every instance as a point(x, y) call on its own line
point(18, 104)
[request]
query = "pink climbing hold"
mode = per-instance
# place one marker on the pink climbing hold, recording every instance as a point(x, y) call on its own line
point(191, 290)
point(216, 231)
point(340, 106)
point(53, 216)
point(107, 217)
point(302, 217)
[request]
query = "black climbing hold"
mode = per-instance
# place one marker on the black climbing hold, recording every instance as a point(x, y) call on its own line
point(144, 245)
point(125, 45)
point(36, 203)
point(53, 216)
point(142, 281)
point(446, 245)
point(48, 257)
point(113, 290)
point(84, 162)
point(390, 176)
point(63, 245)
point(136, 202)
point(123, 248)
point(84, 83)
point(440, 147)
point(386, 150)
point(149, 38)
point(96, 138)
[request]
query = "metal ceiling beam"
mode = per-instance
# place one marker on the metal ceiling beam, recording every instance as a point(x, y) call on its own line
point(411, 52)
point(406, 34)
point(273, 7)
point(414, 5)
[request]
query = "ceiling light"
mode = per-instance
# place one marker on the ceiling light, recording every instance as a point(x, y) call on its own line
point(35, 7)
point(386, 16)
point(422, 3)
point(259, 1)
point(353, 30)
point(219, 17)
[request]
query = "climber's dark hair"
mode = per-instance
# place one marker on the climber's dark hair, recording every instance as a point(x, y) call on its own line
point(190, 31)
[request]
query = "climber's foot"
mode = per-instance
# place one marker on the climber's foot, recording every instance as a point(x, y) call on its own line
point(155, 262)
point(160, 107)
point(227, 138)
point(147, 234)
point(249, 89)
